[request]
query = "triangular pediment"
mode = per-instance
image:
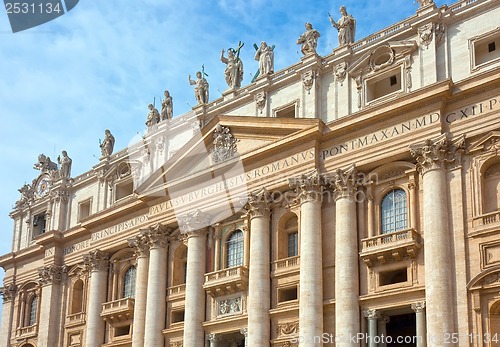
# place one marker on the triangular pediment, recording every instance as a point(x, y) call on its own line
point(254, 138)
point(490, 141)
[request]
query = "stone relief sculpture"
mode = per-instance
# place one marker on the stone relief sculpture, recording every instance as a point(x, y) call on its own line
point(167, 106)
point(234, 66)
point(265, 56)
point(425, 2)
point(309, 40)
point(224, 144)
point(44, 164)
point(107, 144)
point(346, 27)
point(153, 116)
point(200, 89)
point(65, 162)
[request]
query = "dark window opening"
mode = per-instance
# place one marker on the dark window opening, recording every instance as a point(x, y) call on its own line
point(403, 327)
point(393, 277)
point(393, 80)
point(491, 47)
point(177, 316)
point(39, 224)
point(122, 331)
point(287, 294)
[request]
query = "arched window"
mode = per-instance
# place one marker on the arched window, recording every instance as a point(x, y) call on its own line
point(77, 297)
point(33, 308)
point(234, 247)
point(129, 282)
point(491, 188)
point(393, 211)
point(291, 229)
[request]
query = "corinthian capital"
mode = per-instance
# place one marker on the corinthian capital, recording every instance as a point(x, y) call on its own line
point(309, 187)
point(96, 260)
point(259, 203)
point(156, 236)
point(371, 314)
point(418, 306)
point(51, 274)
point(192, 222)
point(345, 182)
point(8, 292)
point(140, 245)
point(436, 153)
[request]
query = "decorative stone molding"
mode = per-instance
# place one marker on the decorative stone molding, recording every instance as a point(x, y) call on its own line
point(308, 187)
point(176, 344)
point(381, 58)
point(244, 332)
point(418, 306)
point(259, 203)
point(224, 144)
point(140, 245)
point(345, 182)
point(260, 101)
point(160, 144)
point(288, 328)
point(371, 314)
point(8, 292)
point(440, 31)
point(27, 195)
point(213, 337)
point(308, 80)
point(491, 278)
point(340, 71)
point(96, 260)
point(359, 87)
point(192, 223)
point(425, 34)
point(226, 307)
point(51, 274)
point(407, 65)
point(436, 153)
point(156, 236)
point(425, 2)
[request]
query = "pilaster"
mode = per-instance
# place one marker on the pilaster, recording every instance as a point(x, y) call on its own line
point(8, 293)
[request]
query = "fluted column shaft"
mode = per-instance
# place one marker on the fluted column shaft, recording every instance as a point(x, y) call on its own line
point(347, 319)
point(309, 190)
point(259, 287)
point(432, 157)
point(157, 239)
point(194, 227)
point(139, 243)
point(97, 263)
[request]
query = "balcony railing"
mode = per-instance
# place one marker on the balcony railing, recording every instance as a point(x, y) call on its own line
point(118, 310)
point(486, 219)
point(75, 319)
point(26, 332)
point(226, 281)
point(286, 265)
point(393, 246)
point(176, 292)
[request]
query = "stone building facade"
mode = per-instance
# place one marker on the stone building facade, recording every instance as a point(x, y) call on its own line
point(350, 200)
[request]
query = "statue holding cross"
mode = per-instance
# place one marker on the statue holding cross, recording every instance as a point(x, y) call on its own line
point(234, 66)
point(265, 56)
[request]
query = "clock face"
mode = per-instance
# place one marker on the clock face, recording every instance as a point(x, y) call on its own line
point(42, 187)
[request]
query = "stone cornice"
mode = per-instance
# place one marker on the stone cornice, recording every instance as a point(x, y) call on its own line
point(435, 153)
point(308, 187)
point(259, 203)
point(96, 260)
point(51, 274)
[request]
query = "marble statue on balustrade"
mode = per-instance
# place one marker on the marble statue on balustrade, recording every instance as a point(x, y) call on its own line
point(201, 87)
point(167, 106)
point(107, 144)
point(153, 116)
point(346, 27)
point(265, 56)
point(309, 40)
point(234, 66)
point(65, 161)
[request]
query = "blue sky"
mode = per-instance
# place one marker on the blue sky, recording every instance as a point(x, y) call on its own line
point(101, 64)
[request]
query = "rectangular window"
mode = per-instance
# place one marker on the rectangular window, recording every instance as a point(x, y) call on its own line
point(177, 316)
point(286, 111)
point(123, 190)
point(287, 294)
point(84, 209)
point(380, 86)
point(393, 277)
point(39, 224)
point(293, 244)
point(484, 49)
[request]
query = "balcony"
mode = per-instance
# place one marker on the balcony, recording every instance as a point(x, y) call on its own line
point(486, 219)
point(118, 311)
point(227, 281)
point(176, 292)
point(26, 332)
point(391, 247)
point(285, 266)
point(75, 319)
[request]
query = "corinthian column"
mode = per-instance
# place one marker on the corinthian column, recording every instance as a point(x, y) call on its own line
point(259, 288)
point(345, 184)
point(97, 263)
point(432, 157)
point(157, 239)
point(419, 308)
point(50, 304)
point(194, 227)
point(9, 294)
point(309, 189)
point(141, 248)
